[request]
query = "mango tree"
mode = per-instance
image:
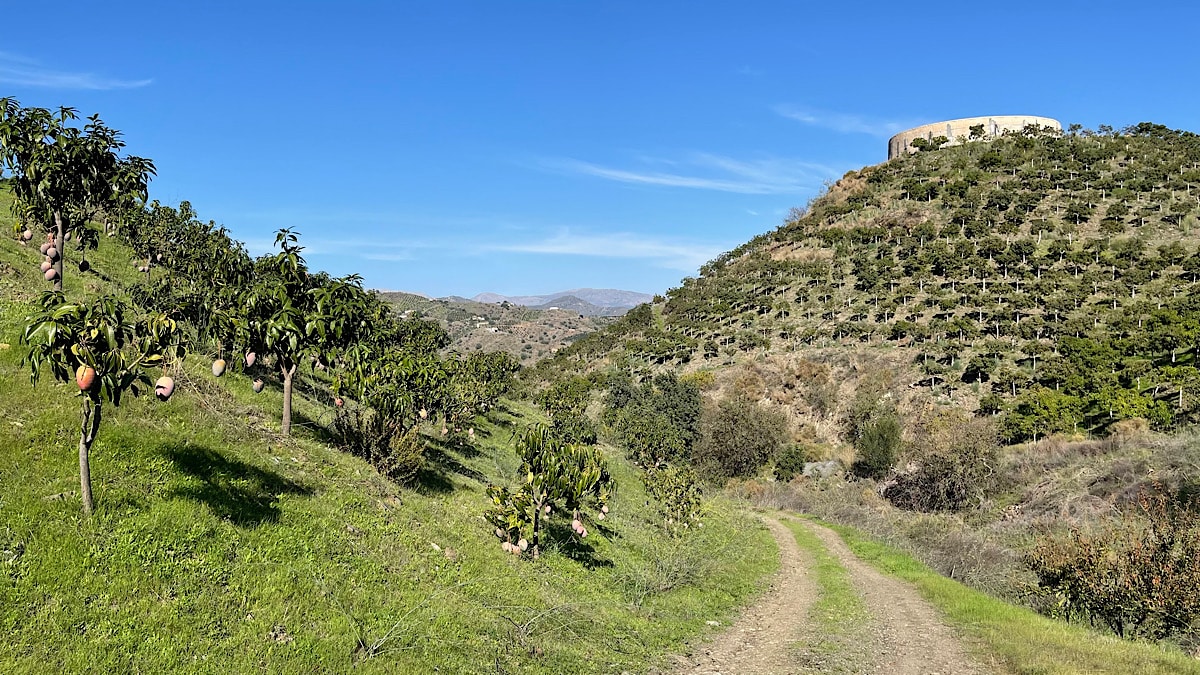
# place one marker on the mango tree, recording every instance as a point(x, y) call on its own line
point(291, 317)
point(482, 378)
point(106, 353)
point(210, 273)
point(394, 392)
point(63, 176)
point(556, 477)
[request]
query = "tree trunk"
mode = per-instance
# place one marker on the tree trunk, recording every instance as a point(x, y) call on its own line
point(288, 372)
point(537, 514)
point(60, 231)
point(87, 434)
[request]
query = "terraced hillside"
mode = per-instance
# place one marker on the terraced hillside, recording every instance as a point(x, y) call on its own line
point(1049, 277)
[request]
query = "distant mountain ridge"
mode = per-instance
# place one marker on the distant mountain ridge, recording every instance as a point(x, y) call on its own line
point(529, 333)
point(598, 297)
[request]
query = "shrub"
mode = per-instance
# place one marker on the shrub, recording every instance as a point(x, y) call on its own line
point(669, 564)
point(575, 428)
point(677, 493)
point(382, 440)
point(790, 462)
point(648, 436)
point(1140, 576)
point(956, 465)
point(406, 456)
point(877, 446)
point(737, 437)
point(658, 421)
point(702, 380)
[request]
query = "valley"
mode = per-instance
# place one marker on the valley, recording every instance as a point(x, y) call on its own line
point(941, 418)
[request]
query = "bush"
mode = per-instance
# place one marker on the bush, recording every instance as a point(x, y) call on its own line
point(574, 428)
point(382, 441)
point(649, 437)
point(790, 462)
point(406, 457)
point(737, 437)
point(956, 465)
point(677, 493)
point(658, 421)
point(878, 446)
point(669, 564)
point(1140, 576)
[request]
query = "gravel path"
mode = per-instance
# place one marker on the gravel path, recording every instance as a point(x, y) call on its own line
point(906, 635)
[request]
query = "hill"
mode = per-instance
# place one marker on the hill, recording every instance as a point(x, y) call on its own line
point(528, 333)
point(588, 301)
point(220, 544)
point(986, 354)
point(1051, 279)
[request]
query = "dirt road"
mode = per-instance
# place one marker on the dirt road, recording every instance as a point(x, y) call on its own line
point(905, 636)
point(759, 641)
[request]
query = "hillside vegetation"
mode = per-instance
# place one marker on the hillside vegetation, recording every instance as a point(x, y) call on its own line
point(528, 333)
point(288, 476)
point(1048, 277)
point(992, 350)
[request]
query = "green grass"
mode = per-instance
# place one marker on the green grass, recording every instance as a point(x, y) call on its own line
point(218, 546)
point(840, 619)
point(1024, 641)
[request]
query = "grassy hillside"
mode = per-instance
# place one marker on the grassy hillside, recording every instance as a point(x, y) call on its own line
point(218, 545)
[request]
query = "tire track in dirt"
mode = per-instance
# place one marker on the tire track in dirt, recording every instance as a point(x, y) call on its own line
point(906, 635)
point(910, 637)
point(760, 640)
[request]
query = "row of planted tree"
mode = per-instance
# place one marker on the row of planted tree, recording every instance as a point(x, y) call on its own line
point(201, 292)
point(1052, 278)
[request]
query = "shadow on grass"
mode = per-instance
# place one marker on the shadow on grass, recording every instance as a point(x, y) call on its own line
point(315, 428)
point(442, 460)
point(243, 494)
point(570, 545)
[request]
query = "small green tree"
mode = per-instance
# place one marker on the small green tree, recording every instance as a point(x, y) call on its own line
point(930, 144)
point(557, 478)
point(677, 493)
point(738, 436)
point(878, 445)
point(105, 352)
point(293, 316)
point(62, 176)
point(648, 436)
point(790, 462)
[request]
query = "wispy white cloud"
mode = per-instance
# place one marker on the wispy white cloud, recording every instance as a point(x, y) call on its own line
point(846, 123)
point(21, 71)
point(390, 257)
point(704, 171)
point(678, 255)
point(462, 237)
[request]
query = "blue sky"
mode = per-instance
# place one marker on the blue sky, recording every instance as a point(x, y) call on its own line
point(524, 147)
